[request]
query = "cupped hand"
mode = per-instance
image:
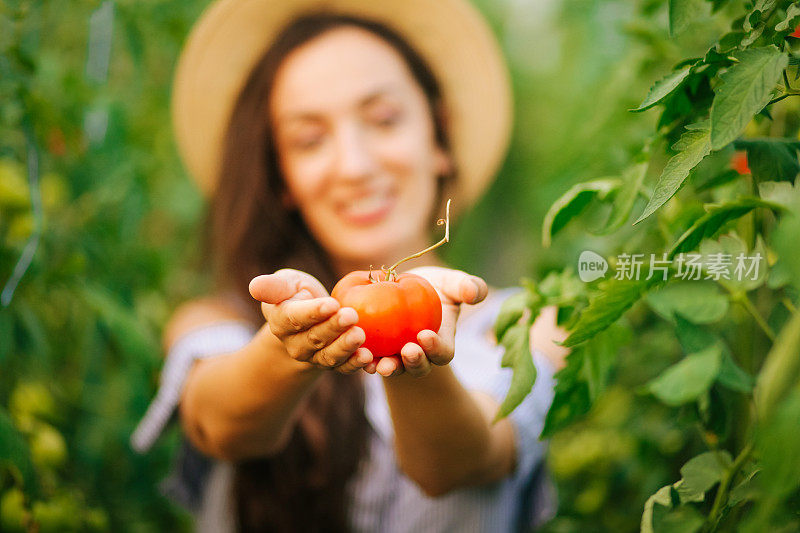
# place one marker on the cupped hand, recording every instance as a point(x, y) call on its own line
point(455, 287)
point(312, 326)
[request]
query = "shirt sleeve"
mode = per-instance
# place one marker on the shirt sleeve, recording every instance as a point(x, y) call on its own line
point(217, 339)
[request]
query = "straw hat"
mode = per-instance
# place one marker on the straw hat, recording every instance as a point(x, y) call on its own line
point(450, 35)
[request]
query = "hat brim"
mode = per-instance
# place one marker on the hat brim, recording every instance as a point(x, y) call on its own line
point(450, 35)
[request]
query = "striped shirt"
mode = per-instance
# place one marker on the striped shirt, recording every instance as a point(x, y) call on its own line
point(382, 497)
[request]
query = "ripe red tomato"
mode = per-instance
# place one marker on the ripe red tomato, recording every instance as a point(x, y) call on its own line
point(391, 313)
point(796, 32)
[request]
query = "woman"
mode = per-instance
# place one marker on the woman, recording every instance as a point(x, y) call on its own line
point(323, 132)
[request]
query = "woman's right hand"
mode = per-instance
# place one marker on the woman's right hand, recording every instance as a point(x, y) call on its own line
point(312, 326)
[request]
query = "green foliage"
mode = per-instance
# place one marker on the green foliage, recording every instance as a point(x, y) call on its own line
point(687, 380)
point(744, 90)
point(664, 87)
point(90, 182)
point(572, 203)
point(705, 347)
point(693, 146)
point(512, 329)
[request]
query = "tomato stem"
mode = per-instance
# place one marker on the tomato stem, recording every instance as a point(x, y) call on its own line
point(391, 271)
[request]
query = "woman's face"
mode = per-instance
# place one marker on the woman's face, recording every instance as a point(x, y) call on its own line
point(356, 145)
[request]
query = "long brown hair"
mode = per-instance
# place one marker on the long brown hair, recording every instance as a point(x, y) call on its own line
point(303, 487)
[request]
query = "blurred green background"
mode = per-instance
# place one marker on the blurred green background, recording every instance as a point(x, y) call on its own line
point(84, 94)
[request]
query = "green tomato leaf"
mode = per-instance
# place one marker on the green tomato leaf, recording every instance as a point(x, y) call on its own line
point(511, 311)
point(683, 519)
point(600, 357)
point(571, 399)
point(745, 490)
point(779, 192)
point(663, 88)
point(732, 376)
point(716, 216)
point(701, 473)
point(682, 13)
point(572, 203)
point(686, 380)
point(771, 159)
point(632, 180)
point(693, 338)
point(661, 497)
point(692, 147)
point(516, 341)
point(744, 90)
point(562, 288)
point(780, 370)
point(700, 302)
point(614, 298)
point(754, 17)
point(790, 22)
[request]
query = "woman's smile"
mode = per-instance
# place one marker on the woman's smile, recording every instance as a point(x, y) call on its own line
point(367, 210)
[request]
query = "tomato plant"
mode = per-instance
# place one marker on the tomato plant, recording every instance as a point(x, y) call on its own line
point(390, 312)
point(710, 191)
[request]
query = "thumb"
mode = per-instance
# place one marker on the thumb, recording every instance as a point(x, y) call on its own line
point(272, 289)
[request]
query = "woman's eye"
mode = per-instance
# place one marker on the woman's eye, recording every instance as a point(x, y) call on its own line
point(385, 119)
point(306, 142)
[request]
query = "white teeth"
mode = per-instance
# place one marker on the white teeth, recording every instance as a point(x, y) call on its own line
point(366, 206)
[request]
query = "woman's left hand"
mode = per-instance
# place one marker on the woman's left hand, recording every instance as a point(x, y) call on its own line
point(435, 348)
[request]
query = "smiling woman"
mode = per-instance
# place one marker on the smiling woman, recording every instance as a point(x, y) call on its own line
point(334, 151)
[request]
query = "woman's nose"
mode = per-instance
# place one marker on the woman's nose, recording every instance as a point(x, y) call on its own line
point(354, 160)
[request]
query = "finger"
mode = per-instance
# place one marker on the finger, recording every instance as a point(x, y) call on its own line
point(341, 349)
point(372, 367)
point(464, 288)
point(360, 359)
point(438, 348)
point(307, 342)
point(455, 285)
point(414, 360)
point(283, 284)
point(389, 366)
point(294, 316)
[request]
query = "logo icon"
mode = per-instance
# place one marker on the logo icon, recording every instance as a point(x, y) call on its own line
point(591, 266)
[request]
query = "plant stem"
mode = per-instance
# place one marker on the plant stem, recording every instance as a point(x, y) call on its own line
point(747, 304)
point(789, 305)
point(446, 238)
point(782, 97)
point(721, 498)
